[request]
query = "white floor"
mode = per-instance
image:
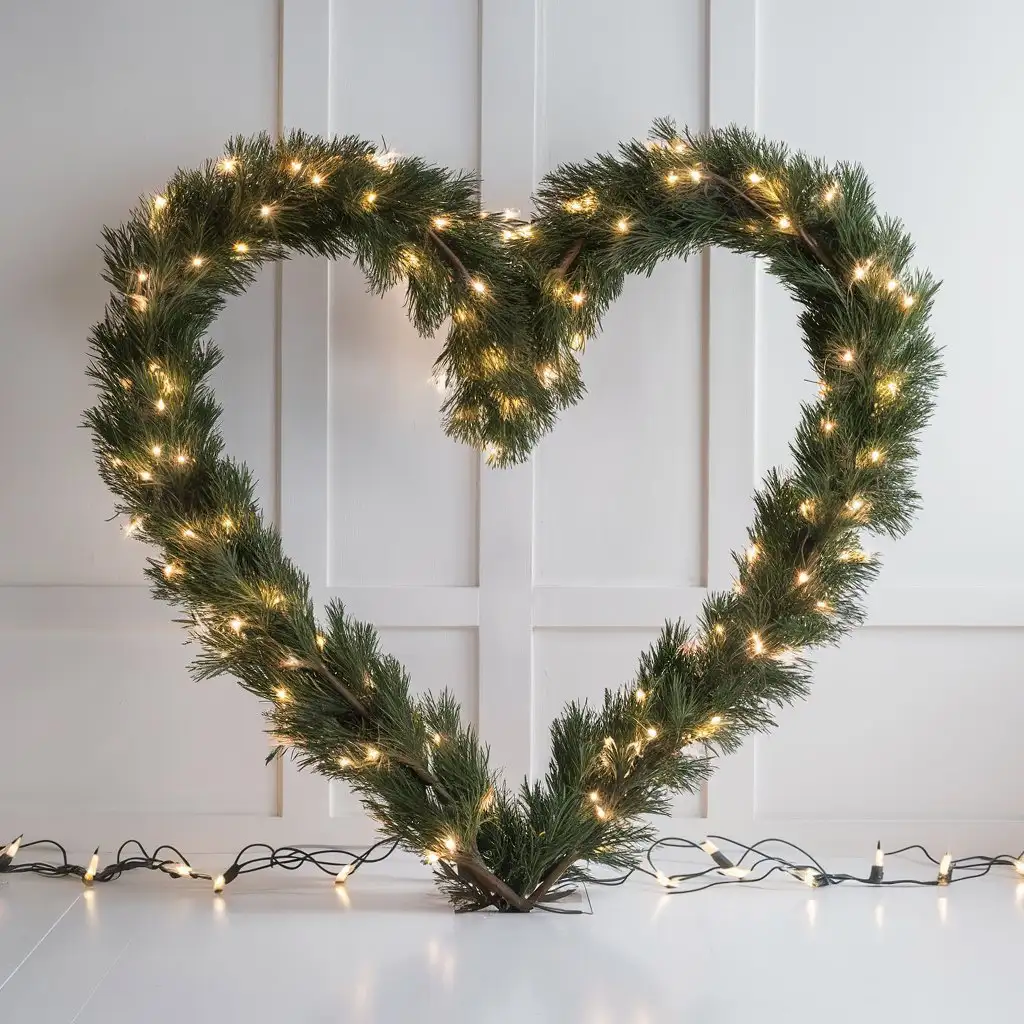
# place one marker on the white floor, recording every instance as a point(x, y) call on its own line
point(285, 947)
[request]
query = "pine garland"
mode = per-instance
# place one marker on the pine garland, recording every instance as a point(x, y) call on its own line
point(522, 299)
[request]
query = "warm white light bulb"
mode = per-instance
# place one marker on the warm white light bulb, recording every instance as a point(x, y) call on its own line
point(94, 864)
point(478, 286)
point(241, 247)
point(316, 179)
point(663, 879)
point(715, 720)
point(671, 177)
point(756, 643)
point(219, 883)
point(296, 166)
point(578, 298)
point(652, 733)
point(430, 857)
point(343, 874)
point(944, 865)
point(372, 753)
point(754, 178)
point(11, 850)
point(830, 194)
point(752, 552)
point(1019, 865)
point(828, 426)
point(440, 223)
point(622, 225)
point(847, 356)
point(879, 856)
point(450, 845)
point(182, 870)
point(802, 577)
point(160, 202)
point(436, 738)
point(640, 695)
point(143, 276)
point(695, 175)
point(891, 285)
point(197, 261)
point(908, 301)
point(709, 847)
point(265, 210)
point(236, 624)
point(785, 223)
point(282, 694)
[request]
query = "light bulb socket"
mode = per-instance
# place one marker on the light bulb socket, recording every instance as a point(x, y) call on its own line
point(876, 874)
point(721, 860)
point(945, 877)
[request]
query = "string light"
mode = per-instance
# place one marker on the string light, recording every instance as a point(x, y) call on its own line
point(622, 225)
point(752, 552)
point(785, 223)
point(241, 247)
point(860, 271)
point(282, 695)
point(725, 866)
point(802, 577)
point(652, 733)
point(478, 286)
point(369, 198)
point(228, 523)
point(94, 864)
point(719, 629)
point(140, 302)
point(578, 298)
point(321, 641)
point(526, 231)
point(266, 211)
point(891, 285)
point(595, 797)
point(450, 844)
point(430, 857)
point(664, 880)
point(715, 720)
point(754, 178)
point(828, 426)
point(855, 505)
point(878, 868)
point(601, 812)
point(509, 214)
point(577, 342)
point(170, 569)
point(236, 624)
point(695, 175)
point(756, 644)
point(875, 455)
point(132, 526)
point(197, 261)
point(809, 877)
point(640, 695)
point(508, 234)
point(142, 276)
point(823, 606)
point(296, 166)
point(440, 223)
point(188, 533)
point(492, 452)
point(227, 165)
point(848, 355)
point(548, 375)
point(181, 458)
point(343, 874)
point(316, 179)
point(181, 870)
point(10, 852)
point(145, 475)
point(807, 508)
point(945, 869)
point(436, 739)
point(372, 754)
point(160, 202)
point(908, 301)
point(830, 194)
point(671, 177)
point(218, 883)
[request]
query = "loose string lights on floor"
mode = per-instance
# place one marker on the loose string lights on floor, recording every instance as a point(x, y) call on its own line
point(755, 862)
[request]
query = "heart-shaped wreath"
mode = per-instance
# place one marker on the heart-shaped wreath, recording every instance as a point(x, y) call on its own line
point(522, 298)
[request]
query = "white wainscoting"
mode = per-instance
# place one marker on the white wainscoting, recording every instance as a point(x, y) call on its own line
point(524, 588)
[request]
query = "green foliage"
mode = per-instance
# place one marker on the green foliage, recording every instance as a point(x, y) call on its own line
point(520, 300)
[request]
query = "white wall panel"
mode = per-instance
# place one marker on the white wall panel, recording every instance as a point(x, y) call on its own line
point(403, 498)
point(103, 108)
point(902, 725)
point(620, 484)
